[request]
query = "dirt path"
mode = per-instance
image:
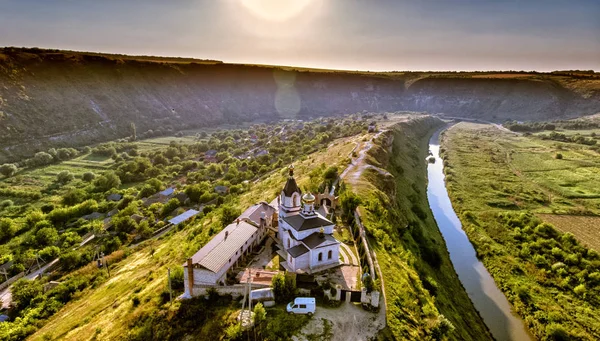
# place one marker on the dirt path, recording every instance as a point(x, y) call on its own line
point(349, 322)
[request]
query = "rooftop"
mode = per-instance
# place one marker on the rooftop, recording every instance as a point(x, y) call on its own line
point(254, 212)
point(301, 223)
point(317, 240)
point(297, 250)
point(216, 253)
point(291, 187)
point(183, 217)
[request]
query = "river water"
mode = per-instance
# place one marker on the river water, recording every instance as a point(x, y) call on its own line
point(479, 284)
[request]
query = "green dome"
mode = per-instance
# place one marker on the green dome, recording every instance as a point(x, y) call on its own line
point(308, 198)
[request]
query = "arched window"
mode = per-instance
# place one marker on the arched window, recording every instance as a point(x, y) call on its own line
point(288, 243)
point(296, 200)
point(329, 254)
point(320, 256)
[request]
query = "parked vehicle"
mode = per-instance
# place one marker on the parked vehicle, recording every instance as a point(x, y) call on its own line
point(302, 305)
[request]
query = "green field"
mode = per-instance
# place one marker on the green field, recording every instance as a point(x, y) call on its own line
point(505, 187)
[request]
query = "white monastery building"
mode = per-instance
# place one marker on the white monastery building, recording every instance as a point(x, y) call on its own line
point(306, 236)
point(210, 265)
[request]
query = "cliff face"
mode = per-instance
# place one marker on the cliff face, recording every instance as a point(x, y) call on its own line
point(54, 98)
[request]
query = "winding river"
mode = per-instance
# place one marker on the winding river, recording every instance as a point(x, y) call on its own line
point(479, 284)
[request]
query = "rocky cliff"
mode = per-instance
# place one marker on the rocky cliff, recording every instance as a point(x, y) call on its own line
point(56, 98)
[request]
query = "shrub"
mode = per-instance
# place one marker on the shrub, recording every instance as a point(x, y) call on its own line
point(523, 293)
point(442, 328)
point(177, 278)
point(580, 290)
point(6, 203)
point(557, 332)
point(7, 228)
point(88, 176)
point(46, 236)
point(135, 300)
point(558, 156)
point(107, 182)
point(8, 169)
point(64, 176)
point(284, 287)
point(228, 214)
point(234, 331)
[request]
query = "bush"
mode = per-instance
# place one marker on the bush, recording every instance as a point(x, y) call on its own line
point(580, 290)
point(557, 332)
point(64, 176)
point(177, 278)
point(107, 182)
point(88, 176)
point(558, 156)
point(6, 203)
point(8, 169)
point(442, 328)
point(46, 236)
point(7, 229)
point(284, 287)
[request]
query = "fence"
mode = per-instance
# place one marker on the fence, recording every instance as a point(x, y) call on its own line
point(11, 280)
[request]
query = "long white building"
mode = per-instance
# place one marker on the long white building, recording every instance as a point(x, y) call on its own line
point(211, 264)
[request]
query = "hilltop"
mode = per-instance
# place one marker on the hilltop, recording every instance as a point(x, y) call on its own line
point(52, 98)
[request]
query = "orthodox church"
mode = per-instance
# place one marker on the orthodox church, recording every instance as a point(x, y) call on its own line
point(306, 236)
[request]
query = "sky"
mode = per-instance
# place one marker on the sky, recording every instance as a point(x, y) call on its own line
point(376, 35)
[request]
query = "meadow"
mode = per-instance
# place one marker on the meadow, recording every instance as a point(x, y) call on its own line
point(528, 204)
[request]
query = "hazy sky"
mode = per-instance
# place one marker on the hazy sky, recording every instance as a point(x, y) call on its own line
point(344, 34)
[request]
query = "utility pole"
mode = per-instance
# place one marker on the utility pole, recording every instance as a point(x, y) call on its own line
point(170, 290)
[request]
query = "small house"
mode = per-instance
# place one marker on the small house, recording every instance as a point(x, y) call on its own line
point(114, 197)
point(221, 189)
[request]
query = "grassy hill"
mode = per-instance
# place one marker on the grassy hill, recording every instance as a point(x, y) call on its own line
point(52, 98)
point(422, 289)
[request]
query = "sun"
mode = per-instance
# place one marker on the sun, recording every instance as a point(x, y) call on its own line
point(276, 10)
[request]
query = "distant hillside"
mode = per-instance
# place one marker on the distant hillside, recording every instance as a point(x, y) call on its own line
point(57, 98)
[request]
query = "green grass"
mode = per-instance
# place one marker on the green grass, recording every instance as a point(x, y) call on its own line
point(143, 273)
point(498, 182)
point(404, 242)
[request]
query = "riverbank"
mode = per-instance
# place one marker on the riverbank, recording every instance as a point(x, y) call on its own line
point(498, 184)
point(424, 296)
point(491, 303)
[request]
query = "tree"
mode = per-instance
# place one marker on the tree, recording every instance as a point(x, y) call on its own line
point(228, 214)
point(107, 182)
point(8, 169)
point(170, 206)
point(146, 191)
point(41, 158)
point(24, 291)
point(7, 229)
point(284, 287)
point(64, 176)
point(349, 202)
point(46, 236)
point(73, 196)
point(88, 176)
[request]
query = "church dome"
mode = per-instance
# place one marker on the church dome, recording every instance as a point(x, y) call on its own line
point(308, 198)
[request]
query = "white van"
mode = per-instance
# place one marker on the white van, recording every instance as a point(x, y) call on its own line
point(302, 305)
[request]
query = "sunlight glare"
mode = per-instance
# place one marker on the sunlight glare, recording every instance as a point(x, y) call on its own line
point(276, 10)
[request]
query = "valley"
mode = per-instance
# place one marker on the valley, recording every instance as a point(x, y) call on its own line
point(527, 202)
point(94, 98)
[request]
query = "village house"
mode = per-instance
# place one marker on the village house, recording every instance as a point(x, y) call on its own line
point(211, 264)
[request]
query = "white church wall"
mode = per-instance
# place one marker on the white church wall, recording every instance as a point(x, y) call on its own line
point(335, 255)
